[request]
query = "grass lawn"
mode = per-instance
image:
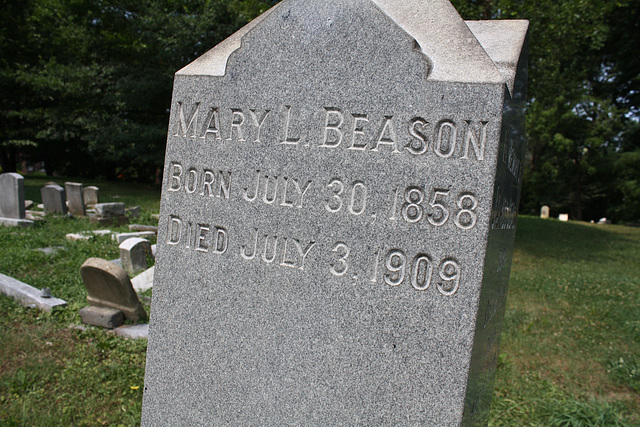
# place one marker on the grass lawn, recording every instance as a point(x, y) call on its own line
point(570, 351)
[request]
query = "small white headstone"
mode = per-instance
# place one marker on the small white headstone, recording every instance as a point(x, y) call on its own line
point(544, 212)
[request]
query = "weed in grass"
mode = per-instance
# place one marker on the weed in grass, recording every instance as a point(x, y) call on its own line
point(578, 413)
point(626, 370)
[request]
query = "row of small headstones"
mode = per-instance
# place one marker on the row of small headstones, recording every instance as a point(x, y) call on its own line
point(74, 198)
point(544, 214)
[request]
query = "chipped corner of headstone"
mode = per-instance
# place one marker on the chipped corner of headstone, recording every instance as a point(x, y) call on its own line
point(214, 62)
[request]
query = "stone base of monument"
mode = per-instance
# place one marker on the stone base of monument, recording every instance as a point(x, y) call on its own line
point(116, 220)
point(103, 317)
point(13, 222)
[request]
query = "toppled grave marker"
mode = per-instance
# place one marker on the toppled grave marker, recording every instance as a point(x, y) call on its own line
point(28, 295)
point(109, 286)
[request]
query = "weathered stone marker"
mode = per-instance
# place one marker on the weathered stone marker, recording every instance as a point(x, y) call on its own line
point(75, 197)
point(544, 212)
point(338, 213)
point(54, 199)
point(134, 253)
point(91, 195)
point(109, 286)
point(12, 209)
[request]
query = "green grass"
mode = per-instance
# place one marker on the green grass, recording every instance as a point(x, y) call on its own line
point(571, 339)
point(570, 351)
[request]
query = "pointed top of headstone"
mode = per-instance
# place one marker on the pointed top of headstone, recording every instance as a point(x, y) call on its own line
point(453, 52)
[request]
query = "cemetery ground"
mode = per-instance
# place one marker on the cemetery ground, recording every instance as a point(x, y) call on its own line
point(570, 348)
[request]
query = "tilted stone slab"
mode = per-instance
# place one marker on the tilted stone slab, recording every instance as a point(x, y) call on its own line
point(27, 294)
point(339, 203)
point(75, 198)
point(109, 210)
point(109, 286)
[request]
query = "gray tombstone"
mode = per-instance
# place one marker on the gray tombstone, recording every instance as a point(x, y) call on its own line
point(54, 199)
point(75, 197)
point(338, 215)
point(544, 212)
point(91, 195)
point(133, 255)
point(12, 207)
point(109, 286)
point(12, 196)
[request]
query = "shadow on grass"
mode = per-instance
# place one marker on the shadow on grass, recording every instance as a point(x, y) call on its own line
point(567, 241)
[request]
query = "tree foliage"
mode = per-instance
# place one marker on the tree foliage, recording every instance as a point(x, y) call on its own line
point(86, 86)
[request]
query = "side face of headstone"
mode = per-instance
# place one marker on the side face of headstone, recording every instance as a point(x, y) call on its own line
point(91, 195)
point(544, 212)
point(12, 196)
point(54, 199)
point(75, 197)
point(339, 206)
point(133, 254)
point(109, 286)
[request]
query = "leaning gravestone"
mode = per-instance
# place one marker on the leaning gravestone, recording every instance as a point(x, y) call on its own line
point(109, 286)
point(12, 208)
point(75, 197)
point(338, 216)
point(54, 199)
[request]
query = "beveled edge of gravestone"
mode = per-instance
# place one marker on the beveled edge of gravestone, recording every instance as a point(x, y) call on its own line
point(134, 313)
point(453, 52)
point(214, 61)
point(503, 40)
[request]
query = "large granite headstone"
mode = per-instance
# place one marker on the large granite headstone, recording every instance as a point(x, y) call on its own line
point(54, 199)
point(337, 220)
point(12, 207)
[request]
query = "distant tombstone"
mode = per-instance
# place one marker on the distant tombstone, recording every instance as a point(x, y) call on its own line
point(337, 222)
point(54, 199)
point(12, 207)
point(75, 197)
point(109, 286)
point(563, 217)
point(544, 212)
point(133, 255)
point(109, 210)
point(91, 195)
